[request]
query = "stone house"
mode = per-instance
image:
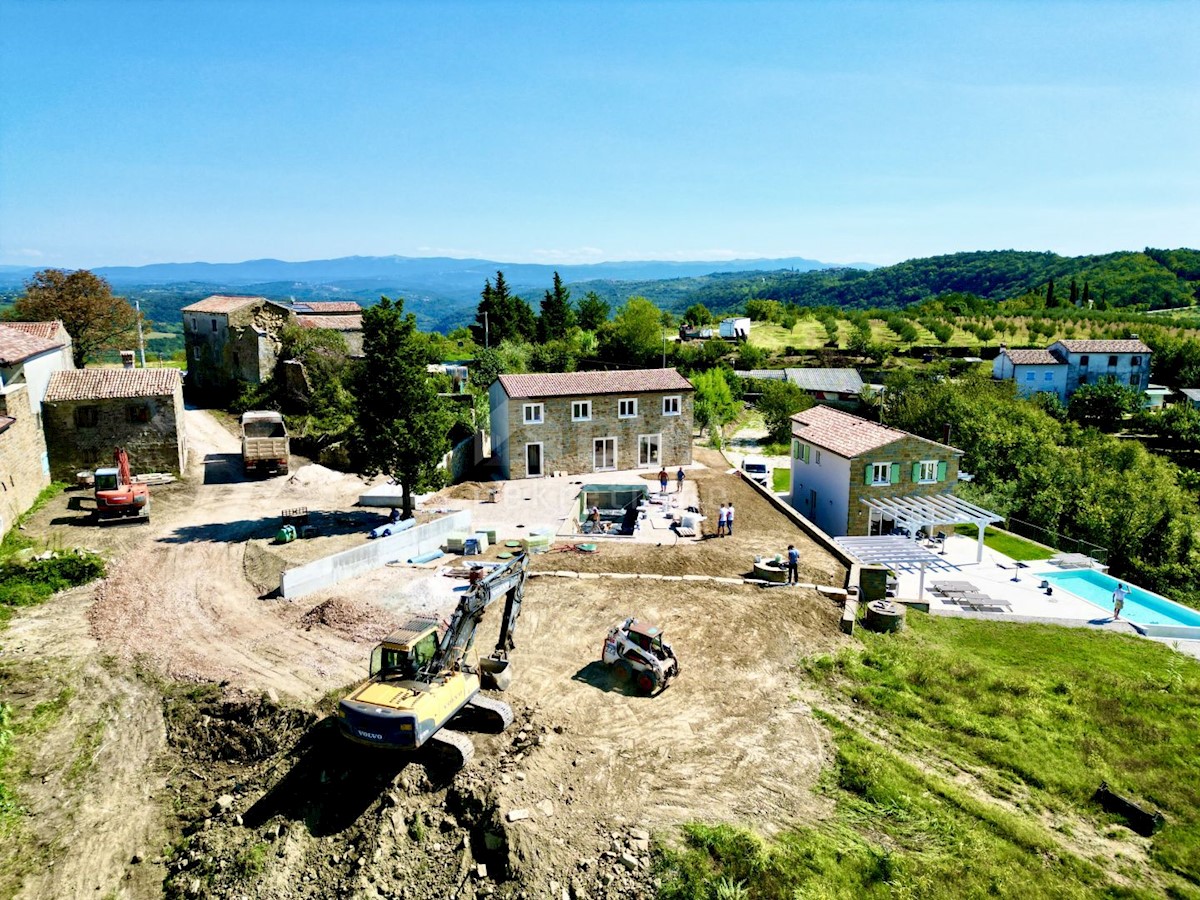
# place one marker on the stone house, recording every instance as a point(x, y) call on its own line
point(342, 316)
point(580, 422)
point(841, 462)
point(30, 352)
point(88, 412)
point(231, 340)
point(24, 466)
point(1065, 365)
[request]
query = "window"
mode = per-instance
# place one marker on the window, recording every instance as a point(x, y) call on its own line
point(817, 457)
point(1083, 361)
point(627, 409)
point(214, 324)
point(927, 470)
point(671, 406)
point(800, 451)
point(86, 416)
point(1029, 376)
point(1135, 379)
point(1049, 376)
point(534, 413)
point(1112, 361)
point(195, 353)
point(137, 413)
point(881, 473)
point(581, 411)
point(1136, 361)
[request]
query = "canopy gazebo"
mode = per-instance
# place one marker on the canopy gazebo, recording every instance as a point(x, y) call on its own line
point(915, 513)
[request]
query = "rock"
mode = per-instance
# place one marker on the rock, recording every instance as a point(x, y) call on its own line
point(639, 846)
point(516, 815)
point(224, 803)
point(135, 859)
point(520, 776)
point(481, 870)
point(237, 820)
point(272, 696)
point(546, 807)
point(506, 778)
point(606, 878)
point(639, 834)
point(361, 861)
point(194, 888)
point(629, 861)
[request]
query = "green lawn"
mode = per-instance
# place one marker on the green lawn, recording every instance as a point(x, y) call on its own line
point(966, 757)
point(1007, 543)
point(781, 480)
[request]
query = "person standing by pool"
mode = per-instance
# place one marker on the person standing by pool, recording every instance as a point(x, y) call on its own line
point(1119, 596)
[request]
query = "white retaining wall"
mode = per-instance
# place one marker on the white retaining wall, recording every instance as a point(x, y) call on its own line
point(372, 555)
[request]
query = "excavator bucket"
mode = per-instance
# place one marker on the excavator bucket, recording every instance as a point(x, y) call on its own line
point(495, 673)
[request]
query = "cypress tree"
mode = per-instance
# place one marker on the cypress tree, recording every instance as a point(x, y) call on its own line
point(1074, 293)
point(1050, 301)
point(557, 315)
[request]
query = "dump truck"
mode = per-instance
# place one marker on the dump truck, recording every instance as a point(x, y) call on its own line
point(117, 495)
point(264, 443)
point(422, 676)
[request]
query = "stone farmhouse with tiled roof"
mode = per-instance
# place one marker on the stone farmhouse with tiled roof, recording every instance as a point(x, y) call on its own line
point(582, 422)
point(840, 460)
point(229, 340)
point(88, 412)
point(1065, 365)
point(30, 352)
point(342, 316)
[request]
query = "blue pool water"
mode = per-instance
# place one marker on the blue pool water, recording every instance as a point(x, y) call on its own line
point(1141, 606)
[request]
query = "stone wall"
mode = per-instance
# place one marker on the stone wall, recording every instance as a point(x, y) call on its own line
point(905, 452)
point(24, 469)
point(568, 446)
point(158, 444)
point(243, 347)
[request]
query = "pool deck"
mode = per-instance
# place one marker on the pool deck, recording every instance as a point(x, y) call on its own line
point(998, 577)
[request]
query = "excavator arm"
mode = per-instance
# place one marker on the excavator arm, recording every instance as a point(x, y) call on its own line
point(507, 580)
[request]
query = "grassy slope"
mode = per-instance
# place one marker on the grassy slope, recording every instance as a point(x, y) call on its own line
point(967, 756)
point(1010, 545)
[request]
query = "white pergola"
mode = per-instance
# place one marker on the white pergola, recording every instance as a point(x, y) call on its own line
point(900, 554)
point(915, 513)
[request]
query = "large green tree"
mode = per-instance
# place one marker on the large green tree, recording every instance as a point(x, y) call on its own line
point(84, 303)
point(502, 315)
point(402, 425)
point(635, 335)
point(780, 400)
point(557, 316)
point(593, 311)
point(715, 405)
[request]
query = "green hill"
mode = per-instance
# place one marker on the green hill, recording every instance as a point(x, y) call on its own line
point(1153, 279)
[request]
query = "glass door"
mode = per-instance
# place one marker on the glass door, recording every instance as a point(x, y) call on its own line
point(648, 454)
point(604, 453)
point(533, 460)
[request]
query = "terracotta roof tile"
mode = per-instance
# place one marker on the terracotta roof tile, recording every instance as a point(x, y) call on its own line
point(48, 331)
point(1032, 357)
point(326, 307)
point(221, 303)
point(337, 323)
point(846, 435)
point(17, 345)
point(110, 384)
point(1134, 346)
point(570, 384)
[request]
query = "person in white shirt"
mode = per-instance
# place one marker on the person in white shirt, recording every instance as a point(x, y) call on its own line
point(729, 519)
point(721, 521)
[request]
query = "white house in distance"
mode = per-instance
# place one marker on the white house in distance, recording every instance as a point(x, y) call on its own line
point(1065, 365)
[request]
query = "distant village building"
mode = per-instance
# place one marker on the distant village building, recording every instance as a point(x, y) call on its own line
point(230, 340)
point(579, 422)
point(88, 412)
point(1066, 365)
point(342, 316)
point(842, 464)
point(30, 352)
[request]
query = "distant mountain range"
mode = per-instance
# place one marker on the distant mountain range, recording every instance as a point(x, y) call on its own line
point(442, 291)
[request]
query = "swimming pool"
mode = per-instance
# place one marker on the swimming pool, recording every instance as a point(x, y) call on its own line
point(1152, 614)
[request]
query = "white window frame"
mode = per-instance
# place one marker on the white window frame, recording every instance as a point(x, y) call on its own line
point(621, 405)
point(615, 457)
point(541, 413)
point(658, 462)
point(924, 463)
point(876, 468)
point(541, 456)
point(587, 410)
point(673, 406)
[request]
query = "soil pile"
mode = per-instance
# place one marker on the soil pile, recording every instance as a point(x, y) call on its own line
point(352, 619)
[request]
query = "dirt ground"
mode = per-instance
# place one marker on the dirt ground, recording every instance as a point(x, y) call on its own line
point(144, 786)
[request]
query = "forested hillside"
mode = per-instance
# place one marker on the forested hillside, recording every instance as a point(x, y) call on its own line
point(1153, 279)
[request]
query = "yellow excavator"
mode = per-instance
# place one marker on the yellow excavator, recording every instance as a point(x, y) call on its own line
point(421, 676)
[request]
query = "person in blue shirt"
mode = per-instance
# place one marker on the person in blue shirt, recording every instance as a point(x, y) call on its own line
point(793, 565)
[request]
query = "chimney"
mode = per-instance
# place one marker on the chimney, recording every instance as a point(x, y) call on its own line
point(126, 359)
point(947, 429)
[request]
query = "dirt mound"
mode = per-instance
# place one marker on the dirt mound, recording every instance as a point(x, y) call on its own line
point(468, 490)
point(352, 619)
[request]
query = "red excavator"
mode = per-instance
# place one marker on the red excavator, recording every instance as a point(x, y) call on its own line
point(117, 496)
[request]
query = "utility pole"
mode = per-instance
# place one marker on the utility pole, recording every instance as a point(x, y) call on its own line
point(137, 304)
point(664, 331)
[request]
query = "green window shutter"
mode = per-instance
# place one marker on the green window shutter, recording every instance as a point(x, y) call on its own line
point(895, 473)
point(942, 470)
point(867, 474)
point(795, 449)
point(806, 450)
point(916, 472)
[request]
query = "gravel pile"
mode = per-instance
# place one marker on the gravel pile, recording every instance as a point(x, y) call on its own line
point(352, 619)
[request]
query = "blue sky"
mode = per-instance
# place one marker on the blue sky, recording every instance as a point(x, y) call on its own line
point(136, 132)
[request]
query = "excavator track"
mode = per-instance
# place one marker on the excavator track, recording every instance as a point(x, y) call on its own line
point(496, 713)
point(453, 746)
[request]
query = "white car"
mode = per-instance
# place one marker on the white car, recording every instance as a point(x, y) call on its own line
point(757, 469)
